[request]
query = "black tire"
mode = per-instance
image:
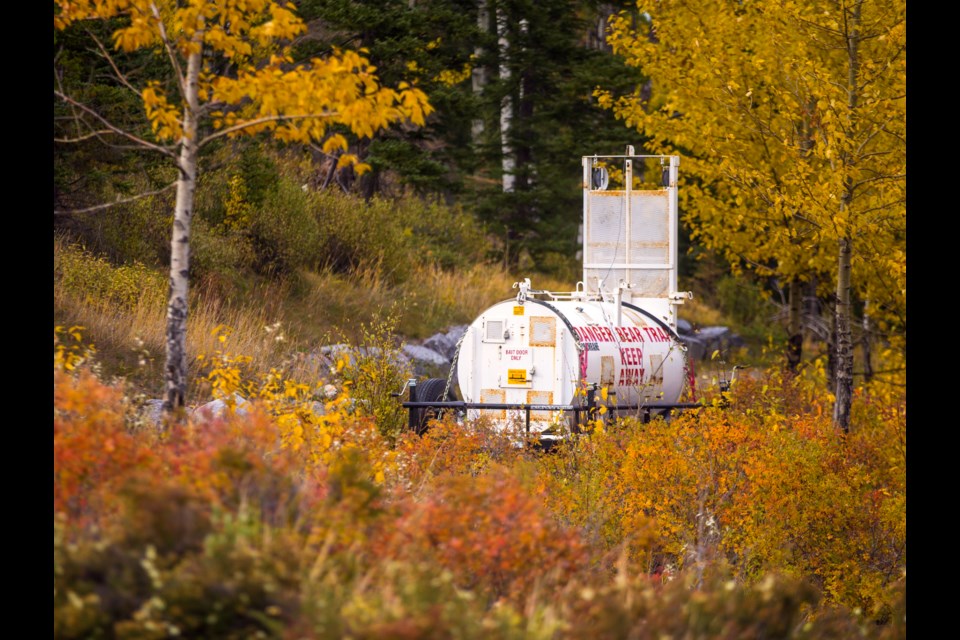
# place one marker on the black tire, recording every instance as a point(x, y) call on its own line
point(430, 390)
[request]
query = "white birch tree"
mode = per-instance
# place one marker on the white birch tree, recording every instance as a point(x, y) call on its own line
point(232, 75)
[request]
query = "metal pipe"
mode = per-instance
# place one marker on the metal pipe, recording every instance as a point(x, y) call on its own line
point(459, 404)
point(628, 193)
point(412, 422)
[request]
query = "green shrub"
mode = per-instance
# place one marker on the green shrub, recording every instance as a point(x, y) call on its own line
point(373, 369)
point(93, 278)
point(369, 235)
point(227, 196)
point(742, 300)
point(560, 266)
point(284, 231)
point(395, 236)
point(135, 231)
point(747, 305)
point(714, 607)
point(139, 231)
point(443, 235)
point(218, 255)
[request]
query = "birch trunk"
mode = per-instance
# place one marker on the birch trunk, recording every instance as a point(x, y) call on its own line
point(844, 388)
point(175, 371)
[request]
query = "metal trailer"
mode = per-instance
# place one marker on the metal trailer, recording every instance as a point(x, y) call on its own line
point(545, 362)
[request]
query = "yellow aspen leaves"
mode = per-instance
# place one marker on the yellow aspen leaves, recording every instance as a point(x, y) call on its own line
point(336, 142)
point(755, 97)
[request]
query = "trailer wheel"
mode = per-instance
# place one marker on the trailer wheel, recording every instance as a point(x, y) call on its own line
point(430, 390)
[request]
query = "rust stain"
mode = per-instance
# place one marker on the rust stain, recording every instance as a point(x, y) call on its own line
point(494, 395)
point(606, 370)
point(543, 331)
point(539, 397)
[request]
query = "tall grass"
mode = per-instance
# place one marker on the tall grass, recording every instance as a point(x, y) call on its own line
point(302, 312)
point(431, 300)
point(130, 335)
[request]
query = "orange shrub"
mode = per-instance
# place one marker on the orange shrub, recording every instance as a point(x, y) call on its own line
point(490, 533)
point(765, 485)
point(92, 453)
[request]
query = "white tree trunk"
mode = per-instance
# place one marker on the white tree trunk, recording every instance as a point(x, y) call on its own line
point(479, 78)
point(506, 107)
point(175, 371)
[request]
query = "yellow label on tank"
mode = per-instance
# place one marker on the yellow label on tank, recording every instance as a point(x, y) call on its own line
point(517, 376)
point(518, 311)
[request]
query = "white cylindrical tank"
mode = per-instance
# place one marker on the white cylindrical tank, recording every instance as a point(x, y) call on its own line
point(543, 351)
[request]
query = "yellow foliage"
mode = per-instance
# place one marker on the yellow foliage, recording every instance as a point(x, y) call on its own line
point(782, 156)
point(314, 421)
point(69, 352)
point(765, 484)
point(238, 209)
point(451, 77)
point(264, 90)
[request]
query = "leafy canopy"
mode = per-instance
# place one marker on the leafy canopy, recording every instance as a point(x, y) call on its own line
point(790, 117)
point(249, 82)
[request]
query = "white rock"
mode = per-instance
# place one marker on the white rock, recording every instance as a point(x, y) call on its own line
point(218, 408)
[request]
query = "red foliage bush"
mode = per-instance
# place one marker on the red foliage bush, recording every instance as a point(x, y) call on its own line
point(490, 533)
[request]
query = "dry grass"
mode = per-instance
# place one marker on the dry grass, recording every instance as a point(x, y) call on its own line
point(314, 309)
point(699, 314)
point(131, 342)
point(306, 312)
point(431, 301)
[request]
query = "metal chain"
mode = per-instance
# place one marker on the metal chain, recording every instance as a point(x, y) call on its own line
point(453, 365)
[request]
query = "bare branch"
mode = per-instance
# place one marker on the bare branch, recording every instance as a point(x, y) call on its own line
point(106, 55)
point(803, 218)
point(868, 80)
point(821, 27)
point(98, 135)
point(92, 134)
point(59, 77)
point(181, 81)
point(126, 134)
point(209, 108)
point(897, 176)
point(333, 165)
point(256, 121)
point(870, 136)
point(806, 187)
point(760, 268)
point(882, 206)
point(863, 156)
point(60, 212)
point(319, 150)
